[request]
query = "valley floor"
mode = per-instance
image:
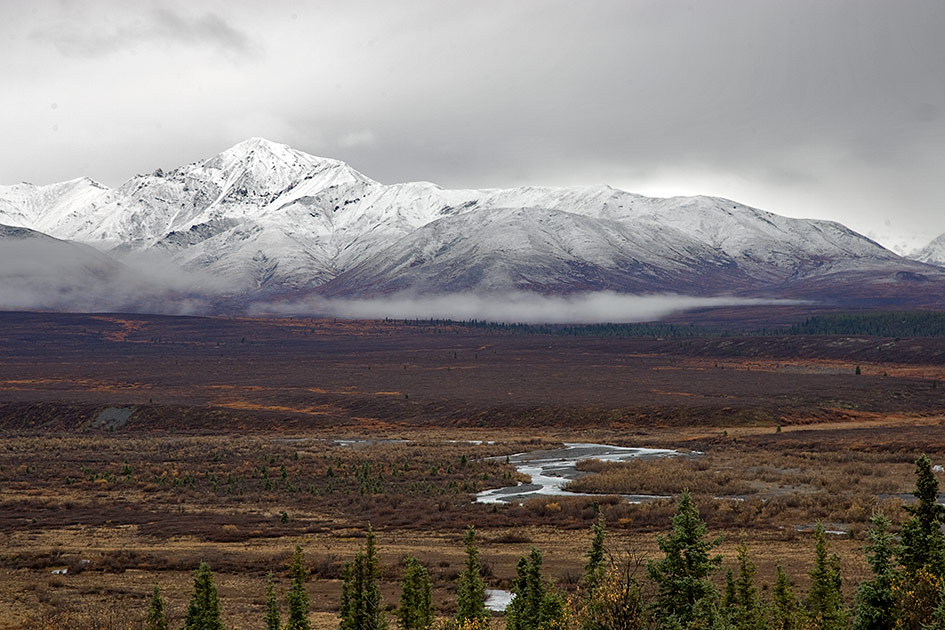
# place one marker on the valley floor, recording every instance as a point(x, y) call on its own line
point(134, 448)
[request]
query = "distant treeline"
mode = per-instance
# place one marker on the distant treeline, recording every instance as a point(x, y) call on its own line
point(874, 324)
point(893, 324)
point(577, 330)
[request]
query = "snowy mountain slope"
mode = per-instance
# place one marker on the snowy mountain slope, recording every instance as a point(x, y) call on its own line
point(52, 208)
point(263, 218)
point(532, 249)
point(933, 253)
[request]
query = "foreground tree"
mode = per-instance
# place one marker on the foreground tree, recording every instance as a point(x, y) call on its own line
point(298, 596)
point(361, 593)
point(825, 600)
point(203, 612)
point(922, 543)
point(743, 605)
point(415, 611)
point(683, 577)
point(156, 618)
point(471, 594)
point(785, 610)
point(875, 602)
point(596, 566)
point(273, 620)
point(535, 605)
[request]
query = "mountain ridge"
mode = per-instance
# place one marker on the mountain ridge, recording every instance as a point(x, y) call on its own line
point(269, 220)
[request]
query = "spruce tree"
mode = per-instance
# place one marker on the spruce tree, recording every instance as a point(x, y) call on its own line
point(203, 612)
point(471, 594)
point(875, 602)
point(825, 600)
point(683, 576)
point(745, 609)
point(729, 595)
point(595, 568)
point(415, 611)
point(360, 591)
point(273, 620)
point(922, 544)
point(785, 611)
point(156, 618)
point(298, 596)
point(349, 609)
point(535, 605)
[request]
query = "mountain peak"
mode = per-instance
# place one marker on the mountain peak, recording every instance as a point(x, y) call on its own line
point(933, 253)
point(261, 149)
point(257, 143)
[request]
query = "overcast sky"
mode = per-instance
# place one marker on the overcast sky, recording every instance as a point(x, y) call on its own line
point(818, 108)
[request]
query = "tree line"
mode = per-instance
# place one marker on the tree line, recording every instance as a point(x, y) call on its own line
point(617, 591)
point(903, 324)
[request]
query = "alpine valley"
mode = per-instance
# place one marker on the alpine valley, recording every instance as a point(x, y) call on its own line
point(262, 221)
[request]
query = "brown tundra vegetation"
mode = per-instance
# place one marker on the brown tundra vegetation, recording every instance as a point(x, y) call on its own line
point(133, 448)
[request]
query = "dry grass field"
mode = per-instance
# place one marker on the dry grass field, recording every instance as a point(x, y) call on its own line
point(132, 449)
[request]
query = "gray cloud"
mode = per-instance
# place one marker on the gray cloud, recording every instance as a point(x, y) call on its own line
point(161, 26)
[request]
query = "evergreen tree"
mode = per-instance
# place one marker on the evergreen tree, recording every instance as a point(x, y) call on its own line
point(706, 616)
point(471, 594)
point(683, 576)
point(729, 595)
point(785, 611)
point(825, 600)
point(922, 544)
point(535, 605)
point(415, 611)
point(875, 602)
point(298, 596)
point(273, 620)
point(360, 591)
point(595, 568)
point(203, 612)
point(156, 618)
point(744, 607)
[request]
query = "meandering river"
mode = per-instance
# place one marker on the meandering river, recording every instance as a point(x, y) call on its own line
point(550, 470)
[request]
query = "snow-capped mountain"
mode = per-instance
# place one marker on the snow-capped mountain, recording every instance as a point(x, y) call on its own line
point(265, 219)
point(933, 253)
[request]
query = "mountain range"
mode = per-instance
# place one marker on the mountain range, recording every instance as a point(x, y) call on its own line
point(263, 221)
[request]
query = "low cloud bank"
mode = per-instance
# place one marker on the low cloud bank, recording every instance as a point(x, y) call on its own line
point(518, 307)
point(40, 273)
point(47, 274)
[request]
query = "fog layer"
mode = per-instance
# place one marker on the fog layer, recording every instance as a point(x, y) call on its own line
point(519, 307)
point(42, 273)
